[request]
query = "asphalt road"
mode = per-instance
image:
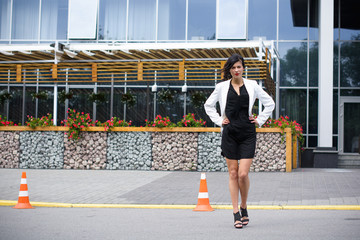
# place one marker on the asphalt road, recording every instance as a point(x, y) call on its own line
point(105, 223)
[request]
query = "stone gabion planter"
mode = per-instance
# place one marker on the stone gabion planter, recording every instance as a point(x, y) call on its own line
point(41, 150)
point(174, 151)
point(89, 152)
point(210, 158)
point(270, 154)
point(136, 149)
point(9, 149)
point(129, 151)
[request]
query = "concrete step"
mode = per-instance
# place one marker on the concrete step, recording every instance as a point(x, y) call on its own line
point(348, 161)
point(344, 157)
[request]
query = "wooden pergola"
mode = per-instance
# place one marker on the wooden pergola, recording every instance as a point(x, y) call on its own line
point(135, 62)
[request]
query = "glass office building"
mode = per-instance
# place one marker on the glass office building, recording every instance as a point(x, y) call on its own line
point(85, 32)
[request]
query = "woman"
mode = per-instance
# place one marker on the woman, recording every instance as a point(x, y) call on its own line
point(236, 97)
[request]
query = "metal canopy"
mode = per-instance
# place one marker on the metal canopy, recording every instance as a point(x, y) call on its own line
point(58, 52)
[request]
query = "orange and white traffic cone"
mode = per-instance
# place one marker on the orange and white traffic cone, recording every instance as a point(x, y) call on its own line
point(23, 202)
point(203, 197)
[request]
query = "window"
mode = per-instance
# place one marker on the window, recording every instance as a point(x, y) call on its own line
point(349, 64)
point(314, 64)
point(82, 19)
point(25, 19)
point(171, 20)
point(54, 19)
point(5, 19)
point(292, 20)
point(202, 19)
point(314, 20)
point(142, 21)
point(230, 27)
point(293, 64)
point(293, 104)
point(262, 19)
point(112, 20)
point(349, 26)
point(313, 111)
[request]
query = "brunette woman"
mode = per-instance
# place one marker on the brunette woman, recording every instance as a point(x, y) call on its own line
point(236, 96)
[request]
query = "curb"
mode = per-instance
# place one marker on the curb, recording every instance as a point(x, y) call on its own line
point(169, 206)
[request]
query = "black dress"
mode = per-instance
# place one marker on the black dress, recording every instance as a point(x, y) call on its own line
point(239, 136)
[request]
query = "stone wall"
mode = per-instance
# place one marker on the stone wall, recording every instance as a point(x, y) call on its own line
point(9, 149)
point(41, 150)
point(270, 153)
point(173, 151)
point(210, 158)
point(129, 151)
point(89, 152)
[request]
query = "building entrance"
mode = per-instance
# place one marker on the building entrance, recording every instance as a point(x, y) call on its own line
point(350, 125)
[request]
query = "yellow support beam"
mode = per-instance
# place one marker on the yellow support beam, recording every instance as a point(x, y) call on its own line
point(222, 63)
point(94, 72)
point(18, 73)
point(140, 71)
point(182, 70)
point(288, 149)
point(295, 152)
point(54, 73)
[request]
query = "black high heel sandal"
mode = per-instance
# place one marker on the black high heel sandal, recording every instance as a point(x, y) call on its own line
point(244, 213)
point(237, 220)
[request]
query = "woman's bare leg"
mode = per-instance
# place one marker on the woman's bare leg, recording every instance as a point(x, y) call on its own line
point(244, 182)
point(233, 168)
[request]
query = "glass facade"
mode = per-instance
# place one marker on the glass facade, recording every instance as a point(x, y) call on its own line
point(38, 21)
point(118, 20)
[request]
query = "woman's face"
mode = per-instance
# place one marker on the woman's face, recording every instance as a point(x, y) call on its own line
point(237, 70)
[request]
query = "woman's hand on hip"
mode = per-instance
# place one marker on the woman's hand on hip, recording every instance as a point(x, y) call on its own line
point(253, 120)
point(225, 121)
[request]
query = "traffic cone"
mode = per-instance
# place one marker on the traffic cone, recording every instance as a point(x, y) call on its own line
point(203, 197)
point(23, 202)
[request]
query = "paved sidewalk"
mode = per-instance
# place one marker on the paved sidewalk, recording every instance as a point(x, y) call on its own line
point(300, 187)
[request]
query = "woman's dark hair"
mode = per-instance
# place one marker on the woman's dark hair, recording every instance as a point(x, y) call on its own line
point(230, 62)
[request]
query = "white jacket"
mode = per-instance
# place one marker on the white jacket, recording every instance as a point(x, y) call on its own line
point(220, 95)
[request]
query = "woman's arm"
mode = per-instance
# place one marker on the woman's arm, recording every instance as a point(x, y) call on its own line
point(210, 107)
point(268, 103)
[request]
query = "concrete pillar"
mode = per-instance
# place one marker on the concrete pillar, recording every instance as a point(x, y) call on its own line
point(325, 156)
point(326, 46)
